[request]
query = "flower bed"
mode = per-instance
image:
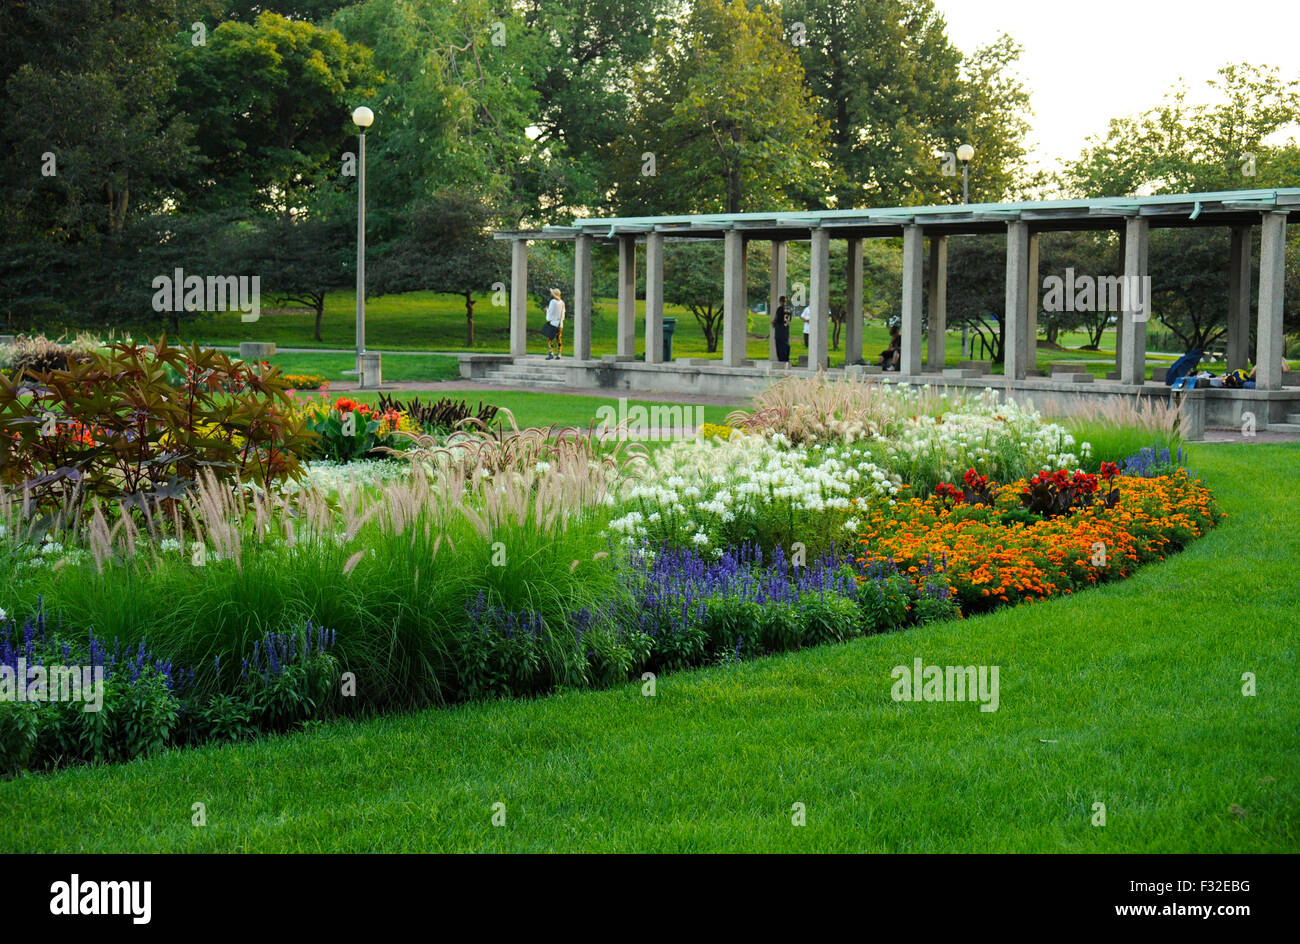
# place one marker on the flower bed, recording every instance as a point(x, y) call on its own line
point(474, 562)
point(1001, 552)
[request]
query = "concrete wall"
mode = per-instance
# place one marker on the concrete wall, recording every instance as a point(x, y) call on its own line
point(1204, 407)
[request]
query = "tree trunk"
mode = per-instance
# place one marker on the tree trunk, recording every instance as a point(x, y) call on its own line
point(320, 314)
point(708, 322)
point(469, 317)
point(733, 174)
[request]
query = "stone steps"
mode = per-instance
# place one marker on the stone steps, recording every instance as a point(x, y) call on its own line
point(1288, 427)
point(525, 375)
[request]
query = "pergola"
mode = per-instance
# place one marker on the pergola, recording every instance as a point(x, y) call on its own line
point(1131, 217)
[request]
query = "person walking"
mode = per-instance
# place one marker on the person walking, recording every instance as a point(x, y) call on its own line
point(781, 328)
point(554, 327)
point(806, 317)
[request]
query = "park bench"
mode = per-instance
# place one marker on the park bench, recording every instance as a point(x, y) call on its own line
point(1070, 372)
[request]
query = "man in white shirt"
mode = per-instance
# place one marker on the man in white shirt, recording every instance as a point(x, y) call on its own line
point(554, 327)
point(806, 315)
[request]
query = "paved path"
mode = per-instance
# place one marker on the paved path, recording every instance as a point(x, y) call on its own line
point(350, 350)
point(1234, 435)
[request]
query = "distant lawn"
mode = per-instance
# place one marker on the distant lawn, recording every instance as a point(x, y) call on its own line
point(546, 409)
point(428, 321)
point(396, 368)
point(1128, 695)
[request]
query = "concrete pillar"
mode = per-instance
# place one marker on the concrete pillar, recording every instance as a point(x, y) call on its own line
point(819, 297)
point(627, 296)
point(1119, 321)
point(735, 312)
point(744, 290)
point(1015, 349)
point(654, 298)
point(1133, 363)
point(1031, 312)
point(777, 276)
point(1269, 341)
point(581, 313)
point(853, 304)
point(909, 360)
point(1238, 352)
point(518, 297)
point(936, 347)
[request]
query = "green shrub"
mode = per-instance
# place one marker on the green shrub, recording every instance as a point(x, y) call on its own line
point(113, 425)
point(440, 416)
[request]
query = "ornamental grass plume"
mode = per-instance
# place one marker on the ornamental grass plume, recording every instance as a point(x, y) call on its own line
point(806, 409)
point(1152, 415)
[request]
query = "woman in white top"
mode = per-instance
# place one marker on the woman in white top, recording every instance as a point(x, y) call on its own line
point(554, 327)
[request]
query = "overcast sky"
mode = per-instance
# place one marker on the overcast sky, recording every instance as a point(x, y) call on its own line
point(1087, 62)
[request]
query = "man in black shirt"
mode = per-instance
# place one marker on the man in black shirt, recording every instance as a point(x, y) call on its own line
point(781, 325)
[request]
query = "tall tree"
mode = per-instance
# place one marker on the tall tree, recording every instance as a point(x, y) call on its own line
point(724, 120)
point(1182, 146)
point(897, 94)
point(589, 52)
point(87, 135)
point(301, 257)
point(446, 246)
point(691, 280)
point(1239, 136)
point(454, 106)
point(273, 98)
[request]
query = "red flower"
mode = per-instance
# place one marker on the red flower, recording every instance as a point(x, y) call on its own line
point(1109, 470)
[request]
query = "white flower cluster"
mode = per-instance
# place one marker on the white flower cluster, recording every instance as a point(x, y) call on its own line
point(48, 552)
point(1002, 440)
point(334, 477)
point(709, 482)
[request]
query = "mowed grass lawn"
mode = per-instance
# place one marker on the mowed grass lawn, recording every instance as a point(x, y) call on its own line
point(397, 368)
point(560, 409)
point(429, 321)
point(1129, 695)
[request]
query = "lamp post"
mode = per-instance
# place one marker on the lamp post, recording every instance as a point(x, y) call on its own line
point(363, 118)
point(964, 153)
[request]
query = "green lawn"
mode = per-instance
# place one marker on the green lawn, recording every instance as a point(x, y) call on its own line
point(426, 321)
point(1128, 695)
point(545, 409)
point(396, 367)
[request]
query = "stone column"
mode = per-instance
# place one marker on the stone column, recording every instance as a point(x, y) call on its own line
point(1119, 320)
point(735, 312)
point(819, 292)
point(777, 276)
point(1269, 340)
point(654, 298)
point(909, 360)
point(853, 303)
point(1133, 364)
point(1015, 349)
point(518, 297)
point(936, 347)
point(627, 296)
point(1238, 352)
point(581, 313)
point(1031, 312)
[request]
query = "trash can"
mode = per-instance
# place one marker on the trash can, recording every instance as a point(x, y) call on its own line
point(670, 326)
